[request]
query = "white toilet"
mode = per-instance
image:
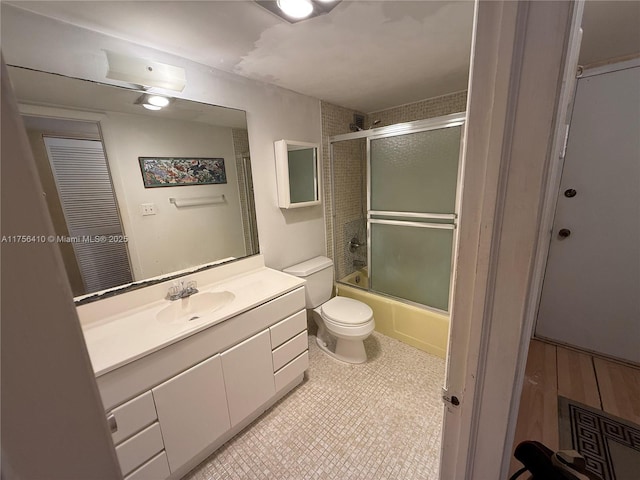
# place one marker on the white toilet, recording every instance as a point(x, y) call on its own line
point(346, 320)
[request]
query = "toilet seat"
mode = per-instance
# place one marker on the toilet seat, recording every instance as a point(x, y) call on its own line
point(346, 312)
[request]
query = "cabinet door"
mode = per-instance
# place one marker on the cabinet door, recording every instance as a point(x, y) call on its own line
point(192, 410)
point(248, 376)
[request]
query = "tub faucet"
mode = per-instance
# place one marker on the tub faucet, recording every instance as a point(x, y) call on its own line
point(354, 244)
point(176, 292)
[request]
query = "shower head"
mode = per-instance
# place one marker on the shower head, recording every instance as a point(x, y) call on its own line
point(357, 128)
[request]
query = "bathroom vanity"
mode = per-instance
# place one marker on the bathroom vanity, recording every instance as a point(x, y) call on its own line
point(176, 388)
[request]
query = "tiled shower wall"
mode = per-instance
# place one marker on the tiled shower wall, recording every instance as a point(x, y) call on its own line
point(349, 179)
point(349, 175)
point(350, 198)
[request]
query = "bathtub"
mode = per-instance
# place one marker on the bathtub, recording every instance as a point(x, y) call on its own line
point(418, 327)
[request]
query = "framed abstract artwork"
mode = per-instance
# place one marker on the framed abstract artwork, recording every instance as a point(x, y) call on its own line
point(181, 171)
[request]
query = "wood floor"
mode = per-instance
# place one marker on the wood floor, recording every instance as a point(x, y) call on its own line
point(552, 371)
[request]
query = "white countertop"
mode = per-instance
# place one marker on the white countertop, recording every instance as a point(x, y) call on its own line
point(115, 340)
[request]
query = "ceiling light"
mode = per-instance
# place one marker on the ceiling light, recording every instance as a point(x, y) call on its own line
point(294, 11)
point(157, 101)
point(153, 102)
point(296, 8)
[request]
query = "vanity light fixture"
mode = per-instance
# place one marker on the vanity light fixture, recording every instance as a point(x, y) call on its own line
point(152, 102)
point(296, 10)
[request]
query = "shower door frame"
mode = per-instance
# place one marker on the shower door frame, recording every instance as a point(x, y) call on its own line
point(417, 126)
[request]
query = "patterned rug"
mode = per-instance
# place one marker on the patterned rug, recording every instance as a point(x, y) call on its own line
point(610, 445)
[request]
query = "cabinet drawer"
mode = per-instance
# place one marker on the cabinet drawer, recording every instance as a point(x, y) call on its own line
point(290, 371)
point(155, 469)
point(138, 449)
point(290, 350)
point(133, 416)
point(288, 328)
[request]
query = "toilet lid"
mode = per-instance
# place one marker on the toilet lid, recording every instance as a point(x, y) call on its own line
point(346, 311)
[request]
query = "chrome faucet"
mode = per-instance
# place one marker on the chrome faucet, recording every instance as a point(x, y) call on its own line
point(354, 244)
point(176, 292)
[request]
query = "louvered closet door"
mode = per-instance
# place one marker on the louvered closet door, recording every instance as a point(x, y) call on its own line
point(89, 205)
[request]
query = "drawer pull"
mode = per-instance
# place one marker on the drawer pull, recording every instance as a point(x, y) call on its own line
point(113, 424)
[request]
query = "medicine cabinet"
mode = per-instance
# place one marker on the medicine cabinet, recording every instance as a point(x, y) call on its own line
point(298, 174)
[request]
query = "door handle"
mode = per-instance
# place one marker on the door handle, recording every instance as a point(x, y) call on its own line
point(113, 424)
point(564, 232)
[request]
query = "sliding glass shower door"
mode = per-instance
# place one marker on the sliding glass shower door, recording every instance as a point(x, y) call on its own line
point(412, 211)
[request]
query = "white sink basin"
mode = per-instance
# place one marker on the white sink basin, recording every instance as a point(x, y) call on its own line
point(193, 308)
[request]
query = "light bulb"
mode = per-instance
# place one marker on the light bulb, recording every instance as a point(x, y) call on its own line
point(296, 8)
point(158, 101)
point(148, 106)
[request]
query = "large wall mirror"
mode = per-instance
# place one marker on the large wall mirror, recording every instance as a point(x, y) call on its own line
point(134, 193)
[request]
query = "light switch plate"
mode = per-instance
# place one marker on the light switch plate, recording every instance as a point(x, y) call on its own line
point(148, 208)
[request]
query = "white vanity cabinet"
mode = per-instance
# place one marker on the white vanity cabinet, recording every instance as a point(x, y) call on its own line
point(192, 410)
point(176, 406)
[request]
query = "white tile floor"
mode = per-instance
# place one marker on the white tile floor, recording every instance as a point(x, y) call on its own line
point(379, 420)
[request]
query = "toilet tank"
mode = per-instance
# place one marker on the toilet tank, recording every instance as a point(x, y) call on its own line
point(318, 272)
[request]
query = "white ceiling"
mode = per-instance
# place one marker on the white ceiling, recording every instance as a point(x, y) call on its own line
point(611, 29)
point(365, 55)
